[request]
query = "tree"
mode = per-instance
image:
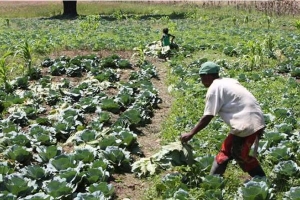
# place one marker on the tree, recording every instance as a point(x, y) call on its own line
point(70, 8)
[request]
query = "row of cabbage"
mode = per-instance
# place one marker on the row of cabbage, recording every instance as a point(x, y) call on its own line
point(278, 149)
point(63, 134)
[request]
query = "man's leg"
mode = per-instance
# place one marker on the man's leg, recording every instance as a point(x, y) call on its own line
point(218, 168)
point(240, 152)
point(223, 157)
point(258, 171)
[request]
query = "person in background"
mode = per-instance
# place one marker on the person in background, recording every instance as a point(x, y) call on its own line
point(240, 110)
point(167, 38)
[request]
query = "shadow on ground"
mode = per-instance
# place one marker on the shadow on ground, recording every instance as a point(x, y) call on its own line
point(115, 17)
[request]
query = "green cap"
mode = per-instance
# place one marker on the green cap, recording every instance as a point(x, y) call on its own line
point(209, 68)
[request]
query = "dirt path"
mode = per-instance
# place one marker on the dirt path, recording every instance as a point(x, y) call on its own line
point(127, 185)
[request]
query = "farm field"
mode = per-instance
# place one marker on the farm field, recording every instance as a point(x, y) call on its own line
point(90, 110)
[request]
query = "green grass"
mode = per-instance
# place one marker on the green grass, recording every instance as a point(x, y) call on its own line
point(196, 29)
point(29, 9)
point(49, 9)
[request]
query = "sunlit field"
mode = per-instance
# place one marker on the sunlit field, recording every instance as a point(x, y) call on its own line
point(92, 107)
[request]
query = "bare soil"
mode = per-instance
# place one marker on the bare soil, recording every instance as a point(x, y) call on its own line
point(126, 185)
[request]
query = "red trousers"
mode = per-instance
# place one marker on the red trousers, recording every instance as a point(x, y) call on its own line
point(238, 148)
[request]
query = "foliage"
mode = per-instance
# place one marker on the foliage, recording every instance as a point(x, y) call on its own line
point(293, 193)
point(79, 115)
point(173, 154)
point(4, 71)
point(255, 189)
point(18, 185)
point(256, 50)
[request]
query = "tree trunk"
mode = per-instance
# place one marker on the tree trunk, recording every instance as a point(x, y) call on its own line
point(70, 8)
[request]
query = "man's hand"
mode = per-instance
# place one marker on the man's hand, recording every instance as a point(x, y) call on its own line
point(203, 122)
point(186, 137)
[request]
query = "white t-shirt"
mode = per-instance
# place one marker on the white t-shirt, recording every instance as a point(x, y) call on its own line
point(235, 105)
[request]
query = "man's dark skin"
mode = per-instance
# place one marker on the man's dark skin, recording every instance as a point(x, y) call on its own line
point(206, 80)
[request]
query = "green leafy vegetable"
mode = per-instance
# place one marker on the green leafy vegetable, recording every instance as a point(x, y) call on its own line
point(293, 193)
point(19, 185)
point(45, 153)
point(58, 188)
point(18, 153)
point(173, 154)
point(255, 189)
point(107, 189)
point(94, 175)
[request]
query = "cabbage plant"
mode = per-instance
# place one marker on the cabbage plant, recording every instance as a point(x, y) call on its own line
point(286, 169)
point(42, 135)
point(5, 168)
point(172, 187)
point(62, 162)
point(118, 157)
point(18, 153)
point(35, 172)
point(19, 185)
point(17, 138)
point(255, 189)
point(91, 196)
point(45, 153)
point(38, 196)
point(173, 154)
point(274, 137)
point(212, 182)
point(83, 136)
point(277, 154)
point(292, 194)
point(19, 118)
point(94, 175)
point(58, 188)
point(72, 176)
point(85, 154)
point(107, 189)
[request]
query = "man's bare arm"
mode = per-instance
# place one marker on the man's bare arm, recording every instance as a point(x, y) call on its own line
point(203, 122)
